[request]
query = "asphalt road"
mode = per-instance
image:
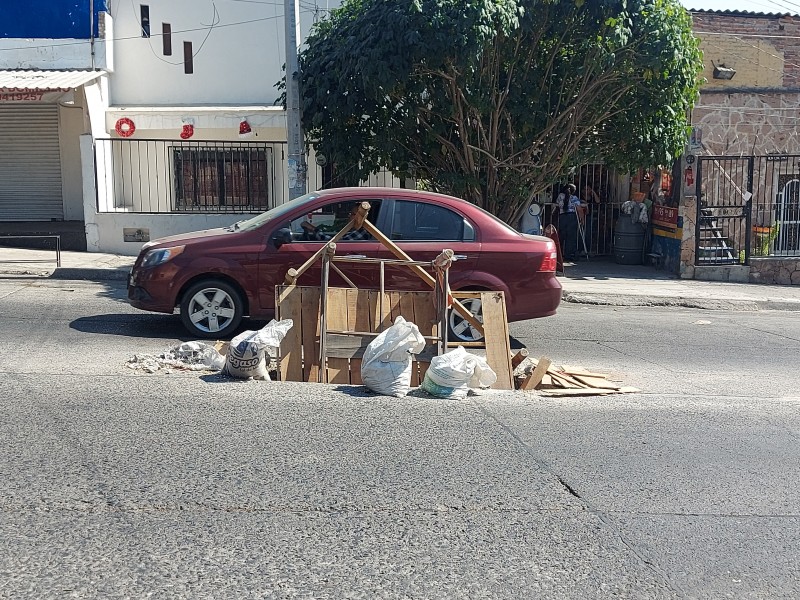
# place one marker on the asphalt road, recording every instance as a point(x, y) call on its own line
point(117, 484)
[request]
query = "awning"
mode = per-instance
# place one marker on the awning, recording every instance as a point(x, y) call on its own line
point(46, 80)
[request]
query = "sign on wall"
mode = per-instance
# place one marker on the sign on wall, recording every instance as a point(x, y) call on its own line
point(31, 95)
point(664, 216)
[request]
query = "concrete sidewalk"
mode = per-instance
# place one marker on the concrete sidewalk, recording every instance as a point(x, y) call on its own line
point(596, 281)
point(599, 281)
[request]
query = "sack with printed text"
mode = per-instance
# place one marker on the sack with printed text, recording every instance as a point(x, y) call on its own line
point(251, 351)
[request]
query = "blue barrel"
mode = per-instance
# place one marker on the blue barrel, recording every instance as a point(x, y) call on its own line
point(628, 242)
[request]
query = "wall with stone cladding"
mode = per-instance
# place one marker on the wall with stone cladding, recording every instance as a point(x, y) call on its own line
point(688, 212)
point(756, 112)
point(775, 271)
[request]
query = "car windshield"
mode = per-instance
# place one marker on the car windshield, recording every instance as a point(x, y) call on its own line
point(274, 213)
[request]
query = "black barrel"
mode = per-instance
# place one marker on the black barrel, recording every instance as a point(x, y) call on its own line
point(628, 242)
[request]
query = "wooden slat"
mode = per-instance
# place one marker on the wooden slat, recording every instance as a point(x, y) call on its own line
point(422, 273)
point(310, 333)
point(425, 318)
point(573, 370)
point(289, 306)
point(597, 382)
point(357, 320)
point(498, 347)
point(534, 379)
point(338, 370)
point(519, 357)
point(589, 391)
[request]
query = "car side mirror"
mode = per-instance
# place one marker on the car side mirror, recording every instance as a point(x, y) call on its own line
point(282, 236)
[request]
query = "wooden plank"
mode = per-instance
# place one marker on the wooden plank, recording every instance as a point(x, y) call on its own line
point(519, 357)
point(422, 273)
point(567, 379)
point(357, 320)
point(565, 382)
point(588, 392)
point(394, 306)
point(571, 392)
point(288, 304)
point(597, 382)
point(425, 313)
point(534, 379)
point(573, 370)
point(338, 369)
point(293, 274)
point(498, 347)
point(310, 333)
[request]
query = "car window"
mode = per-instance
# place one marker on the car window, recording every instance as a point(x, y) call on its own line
point(420, 221)
point(327, 220)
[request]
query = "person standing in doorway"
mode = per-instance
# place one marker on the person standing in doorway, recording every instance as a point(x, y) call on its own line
point(567, 205)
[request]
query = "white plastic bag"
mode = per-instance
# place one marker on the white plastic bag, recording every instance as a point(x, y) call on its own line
point(386, 364)
point(452, 374)
point(250, 351)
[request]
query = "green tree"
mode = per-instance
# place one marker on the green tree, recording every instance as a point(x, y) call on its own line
point(492, 100)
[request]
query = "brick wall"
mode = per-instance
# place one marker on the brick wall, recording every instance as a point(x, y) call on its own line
point(758, 111)
point(769, 61)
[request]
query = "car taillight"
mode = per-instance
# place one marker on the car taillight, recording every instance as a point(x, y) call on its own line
point(549, 262)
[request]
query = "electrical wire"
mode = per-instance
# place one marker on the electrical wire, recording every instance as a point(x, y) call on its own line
point(215, 19)
point(138, 37)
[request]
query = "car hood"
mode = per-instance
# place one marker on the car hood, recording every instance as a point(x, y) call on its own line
point(188, 238)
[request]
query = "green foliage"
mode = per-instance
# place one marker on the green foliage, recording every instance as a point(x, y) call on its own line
point(492, 100)
point(764, 240)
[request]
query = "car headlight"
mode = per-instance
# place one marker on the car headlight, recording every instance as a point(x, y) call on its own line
point(160, 256)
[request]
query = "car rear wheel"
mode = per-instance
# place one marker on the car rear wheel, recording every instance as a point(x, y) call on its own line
point(211, 309)
point(460, 329)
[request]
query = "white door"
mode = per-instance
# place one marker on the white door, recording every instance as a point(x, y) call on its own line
point(788, 219)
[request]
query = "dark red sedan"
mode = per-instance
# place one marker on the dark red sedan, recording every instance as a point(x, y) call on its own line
point(217, 276)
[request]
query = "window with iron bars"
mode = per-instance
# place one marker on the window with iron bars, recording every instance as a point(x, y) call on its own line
point(222, 180)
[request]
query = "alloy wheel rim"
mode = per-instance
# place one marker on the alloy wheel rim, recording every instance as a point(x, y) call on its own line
point(211, 310)
point(461, 328)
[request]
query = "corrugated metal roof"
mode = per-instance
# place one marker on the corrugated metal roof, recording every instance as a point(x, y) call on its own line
point(742, 13)
point(46, 80)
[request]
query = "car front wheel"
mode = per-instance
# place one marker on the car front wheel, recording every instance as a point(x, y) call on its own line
point(211, 309)
point(460, 329)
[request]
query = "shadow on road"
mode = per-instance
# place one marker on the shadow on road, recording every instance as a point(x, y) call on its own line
point(143, 326)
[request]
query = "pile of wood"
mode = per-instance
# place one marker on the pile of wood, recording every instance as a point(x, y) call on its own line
point(568, 380)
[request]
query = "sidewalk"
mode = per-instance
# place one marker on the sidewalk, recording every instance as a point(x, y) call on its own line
point(74, 265)
point(603, 282)
point(596, 281)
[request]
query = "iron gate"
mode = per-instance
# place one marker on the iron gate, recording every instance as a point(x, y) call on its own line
point(724, 191)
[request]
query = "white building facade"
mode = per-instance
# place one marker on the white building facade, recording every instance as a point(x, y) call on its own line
point(167, 118)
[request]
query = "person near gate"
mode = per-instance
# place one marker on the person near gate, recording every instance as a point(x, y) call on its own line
point(567, 205)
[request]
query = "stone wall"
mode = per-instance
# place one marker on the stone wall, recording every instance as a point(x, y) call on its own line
point(688, 212)
point(755, 112)
point(783, 271)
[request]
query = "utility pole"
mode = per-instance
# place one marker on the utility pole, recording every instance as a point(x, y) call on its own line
point(294, 128)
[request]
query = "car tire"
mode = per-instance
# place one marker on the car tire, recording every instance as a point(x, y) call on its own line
point(459, 329)
point(211, 309)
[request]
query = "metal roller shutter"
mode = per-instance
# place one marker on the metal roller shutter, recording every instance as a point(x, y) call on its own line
point(30, 163)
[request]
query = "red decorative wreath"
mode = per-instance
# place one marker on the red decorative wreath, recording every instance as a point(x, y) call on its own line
point(125, 127)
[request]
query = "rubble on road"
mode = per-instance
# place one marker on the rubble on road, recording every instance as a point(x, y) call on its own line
point(188, 356)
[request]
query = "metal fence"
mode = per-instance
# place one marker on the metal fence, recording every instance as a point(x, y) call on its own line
point(748, 206)
point(207, 177)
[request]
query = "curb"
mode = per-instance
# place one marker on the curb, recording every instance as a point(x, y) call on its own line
point(90, 274)
point(679, 302)
point(71, 273)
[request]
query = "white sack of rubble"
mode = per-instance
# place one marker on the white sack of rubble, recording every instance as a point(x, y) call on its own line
point(250, 351)
point(386, 364)
point(452, 374)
